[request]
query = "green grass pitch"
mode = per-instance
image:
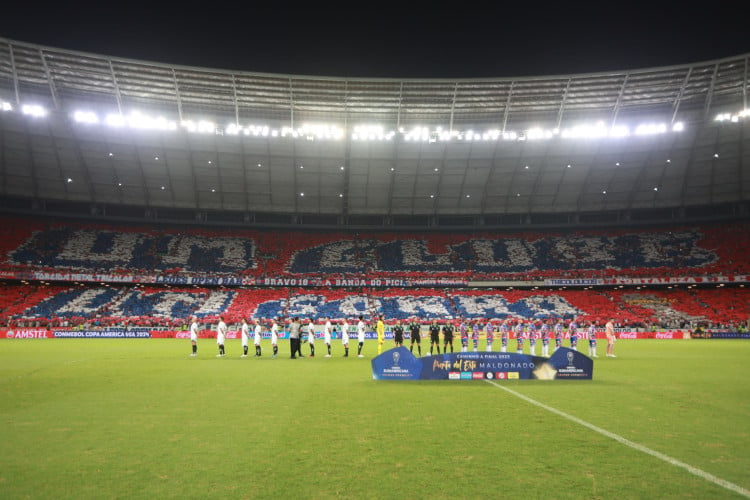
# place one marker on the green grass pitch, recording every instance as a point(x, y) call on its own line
point(104, 418)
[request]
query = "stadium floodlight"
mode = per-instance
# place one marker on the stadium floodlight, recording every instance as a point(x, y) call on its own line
point(535, 133)
point(619, 131)
point(232, 129)
point(34, 110)
point(678, 127)
point(418, 133)
point(206, 127)
point(139, 120)
point(115, 120)
point(367, 131)
point(733, 117)
point(650, 129)
point(5, 106)
point(586, 131)
point(320, 131)
point(86, 117)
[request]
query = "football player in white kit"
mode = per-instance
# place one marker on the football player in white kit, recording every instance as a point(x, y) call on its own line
point(194, 336)
point(592, 340)
point(327, 329)
point(311, 336)
point(245, 330)
point(360, 337)
point(345, 337)
point(257, 336)
point(221, 335)
point(275, 337)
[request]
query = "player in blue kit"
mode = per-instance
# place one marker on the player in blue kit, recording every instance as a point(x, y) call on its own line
point(504, 327)
point(475, 327)
point(573, 332)
point(544, 332)
point(519, 337)
point(559, 330)
point(489, 331)
point(532, 338)
point(464, 331)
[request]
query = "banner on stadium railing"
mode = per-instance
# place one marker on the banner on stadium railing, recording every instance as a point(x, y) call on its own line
point(204, 280)
point(101, 334)
point(572, 282)
point(738, 278)
point(102, 278)
point(400, 364)
point(25, 333)
point(356, 282)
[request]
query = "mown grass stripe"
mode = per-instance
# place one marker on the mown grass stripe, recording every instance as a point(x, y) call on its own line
point(636, 446)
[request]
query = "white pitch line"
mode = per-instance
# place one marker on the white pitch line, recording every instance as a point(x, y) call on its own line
point(661, 456)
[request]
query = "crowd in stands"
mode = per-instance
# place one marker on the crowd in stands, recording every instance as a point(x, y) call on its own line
point(170, 308)
point(52, 246)
point(147, 254)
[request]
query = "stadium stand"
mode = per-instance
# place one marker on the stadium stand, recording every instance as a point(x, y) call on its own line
point(41, 245)
point(160, 307)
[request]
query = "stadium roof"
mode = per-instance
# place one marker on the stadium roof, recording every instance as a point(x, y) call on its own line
point(250, 143)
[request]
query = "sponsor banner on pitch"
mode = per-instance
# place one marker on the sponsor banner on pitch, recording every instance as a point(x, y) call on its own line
point(401, 364)
point(726, 335)
point(670, 334)
point(25, 333)
point(101, 334)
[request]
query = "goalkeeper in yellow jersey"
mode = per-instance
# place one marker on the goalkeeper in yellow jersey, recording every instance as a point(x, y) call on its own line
point(380, 329)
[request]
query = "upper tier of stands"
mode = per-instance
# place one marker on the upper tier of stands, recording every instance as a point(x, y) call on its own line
point(51, 245)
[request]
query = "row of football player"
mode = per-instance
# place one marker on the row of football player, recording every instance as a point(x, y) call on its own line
point(296, 331)
point(542, 330)
point(507, 330)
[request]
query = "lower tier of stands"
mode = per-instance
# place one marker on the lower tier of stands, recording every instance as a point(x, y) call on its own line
point(171, 307)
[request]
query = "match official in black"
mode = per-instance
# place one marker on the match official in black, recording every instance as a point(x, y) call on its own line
point(294, 343)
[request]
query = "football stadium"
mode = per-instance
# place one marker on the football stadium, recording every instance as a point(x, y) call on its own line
point(211, 281)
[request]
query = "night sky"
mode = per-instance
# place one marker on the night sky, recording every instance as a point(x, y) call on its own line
point(407, 40)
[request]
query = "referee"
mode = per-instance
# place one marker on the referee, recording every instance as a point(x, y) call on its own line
point(434, 336)
point(398, 334)
point(447, 336)
point(294, 344)
point(416, 336)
